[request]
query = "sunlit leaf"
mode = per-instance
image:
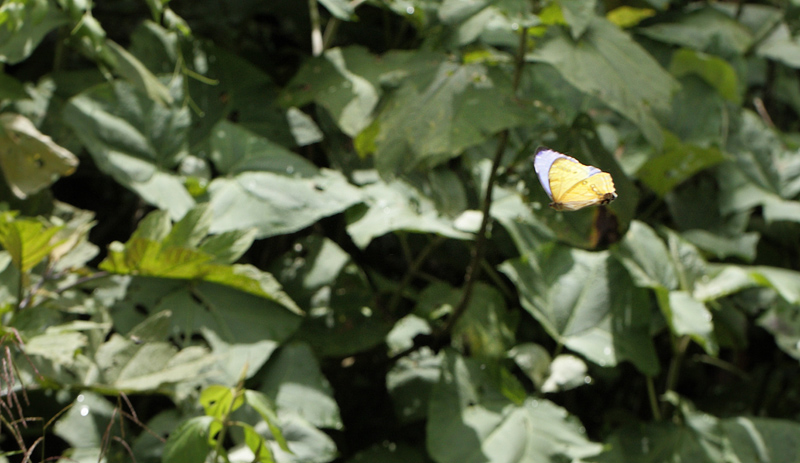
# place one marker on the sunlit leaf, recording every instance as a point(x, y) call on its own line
point(470, 421)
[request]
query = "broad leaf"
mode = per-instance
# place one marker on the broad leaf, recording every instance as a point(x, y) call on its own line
point(645, 256)
point(469, 421)
point(397, 206)
point(189, 443)
point(269, 188)
point(293, 380)
point(677, 163)
point(715, 71)
point(432, 117)
point(704, 29)
point(136, 140)
point(607, 64)
point(20, 36)
point(587, 302)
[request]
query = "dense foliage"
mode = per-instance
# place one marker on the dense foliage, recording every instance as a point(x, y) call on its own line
point(294, 231)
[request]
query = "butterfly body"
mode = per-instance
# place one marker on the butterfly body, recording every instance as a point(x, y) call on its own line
point(570, 184)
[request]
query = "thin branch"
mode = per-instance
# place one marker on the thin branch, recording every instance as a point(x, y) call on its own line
point(653, 399)
point(478, 251)
point(413, 269)
point(316, 28)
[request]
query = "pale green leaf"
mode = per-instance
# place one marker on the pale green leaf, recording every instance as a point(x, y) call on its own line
point(341, 9)
point(645, 256)
point(578, 14)
point(470, 421)
point(569, 292)
point(293, 380)
point(394, 206)
point(278, 203)
point(688, 316)
point(18, 41)
point(136, 140)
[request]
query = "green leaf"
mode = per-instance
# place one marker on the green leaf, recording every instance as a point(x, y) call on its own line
point(27, 241)
point(149, 253)
point(565, 372)
point(11, 88)
point(257, 444)
point(781, 46)
point(270, 188)
point(470, 421)
point(608, 65)
point(20, 39)
point(30, 160)
point(336, 81)
point(219, 401)
point(705, 29)
point(189, 443)
point(236, 150)
point(432, 117)
point(293, 380)
point(742, 246)
point(135, 140)
point(645, 256)
point(699, 114)
point(627, 16)
point(578, 14)
point(782, 320)
point(704, 438)
point(85, 423)
point(127, 366)
point(341, 9)
point(394, 206)
point(233, 88)
point(261, 404)
point(688, 316)
point(278, 203)
point(716, 71)
point(533, 360)
point(236, 359)
point(410, 382)
point(569, 292)
point(129, 67)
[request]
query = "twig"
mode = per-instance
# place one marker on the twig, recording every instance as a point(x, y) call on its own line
point(478, 251)
point(316, 31)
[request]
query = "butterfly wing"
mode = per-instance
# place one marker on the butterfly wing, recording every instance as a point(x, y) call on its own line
point(29, 159)
point(595, 190)
point(570, 184)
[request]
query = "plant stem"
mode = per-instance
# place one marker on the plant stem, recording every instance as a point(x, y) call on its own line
point(478, 251)
point(412, 272)
point(674, 367)
point(316, 29)
point(651, 393)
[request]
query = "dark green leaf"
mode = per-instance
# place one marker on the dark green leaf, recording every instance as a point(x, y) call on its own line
point(705, 29)
point(607, 64)
point(189, 443)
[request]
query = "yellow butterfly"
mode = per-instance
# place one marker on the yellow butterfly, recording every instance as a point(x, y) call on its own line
point(570, 184)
